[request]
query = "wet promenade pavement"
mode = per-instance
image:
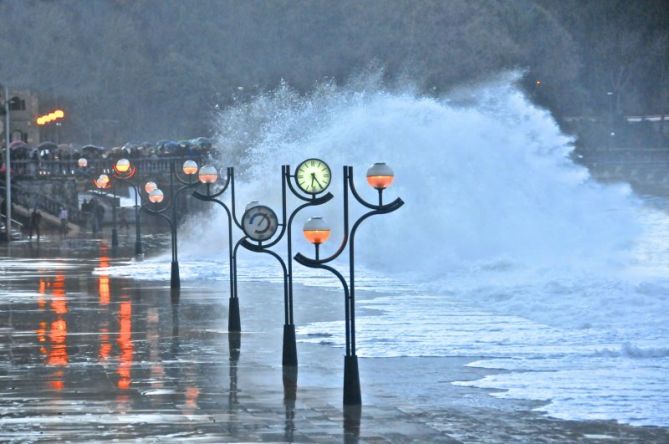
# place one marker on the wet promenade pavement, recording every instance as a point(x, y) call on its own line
point(89, 357)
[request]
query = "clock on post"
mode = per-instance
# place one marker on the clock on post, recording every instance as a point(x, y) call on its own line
point(313, 176)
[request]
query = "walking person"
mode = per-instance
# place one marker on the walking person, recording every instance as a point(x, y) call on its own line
point(63, 216)
point(35, 220)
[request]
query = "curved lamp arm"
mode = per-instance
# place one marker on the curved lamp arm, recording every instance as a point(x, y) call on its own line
point(397, 202)
point(159, 213)
point(312, 202)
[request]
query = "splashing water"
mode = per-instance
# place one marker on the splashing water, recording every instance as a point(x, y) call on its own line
point(504, 248)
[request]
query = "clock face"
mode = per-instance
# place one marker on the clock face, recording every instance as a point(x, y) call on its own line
point(313, 176)
point(260, 223)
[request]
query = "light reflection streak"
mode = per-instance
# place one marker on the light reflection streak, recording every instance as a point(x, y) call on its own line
point(125, 345)
point(103, 280)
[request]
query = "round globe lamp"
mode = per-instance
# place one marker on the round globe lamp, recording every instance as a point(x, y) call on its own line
point(156, 196)
point(149, 187)
point(82, 162)
point(208, 174)
point(316, 230)
point(189, 167)
point(103, 179)
point(253, 203)
point(122, 165)
point(380, 176)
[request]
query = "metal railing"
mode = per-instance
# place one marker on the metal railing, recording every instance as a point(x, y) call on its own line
point(31, 199)
point(146, 166)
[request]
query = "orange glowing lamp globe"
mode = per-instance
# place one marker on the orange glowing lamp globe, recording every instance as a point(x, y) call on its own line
point(149, 187)
point(189, 167)
point(122, 165)
point(380, 176)
point(156, 196)
point(103, 180)
point(82, 162)
point(208, 174)
point(59, 114)
point(316, 230)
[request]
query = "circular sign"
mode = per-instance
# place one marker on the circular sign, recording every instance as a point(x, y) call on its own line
point(313, 176)
point(260, 223)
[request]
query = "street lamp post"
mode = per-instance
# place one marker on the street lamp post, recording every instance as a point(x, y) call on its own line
point(104, 182)
point(379, 176)
point(8, 174)
point(209, 176)
point(312, 177)
point(125, 171)
point(156, 196)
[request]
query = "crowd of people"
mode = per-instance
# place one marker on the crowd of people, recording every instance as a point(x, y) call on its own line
point(46, 151)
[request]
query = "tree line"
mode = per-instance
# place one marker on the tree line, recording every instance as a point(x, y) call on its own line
point(153, 69)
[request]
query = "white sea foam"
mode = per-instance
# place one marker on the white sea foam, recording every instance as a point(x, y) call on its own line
point(504, 250)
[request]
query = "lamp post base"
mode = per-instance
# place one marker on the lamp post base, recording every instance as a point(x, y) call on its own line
point(235, 346)
point(175, 279)
point(234, 322)
point(138, 248)
point(351, 381)
point(289, 346)
point(114, 238)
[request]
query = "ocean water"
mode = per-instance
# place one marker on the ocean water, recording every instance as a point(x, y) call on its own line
point(506, 251)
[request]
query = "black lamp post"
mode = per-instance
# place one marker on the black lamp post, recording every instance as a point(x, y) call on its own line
point(104, 182)
point(125, 171)
point(379, 176)
point(311, 199)
point(209, 178)
point(156, 196)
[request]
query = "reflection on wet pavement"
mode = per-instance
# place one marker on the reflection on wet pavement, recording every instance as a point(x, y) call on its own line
point(88, 357)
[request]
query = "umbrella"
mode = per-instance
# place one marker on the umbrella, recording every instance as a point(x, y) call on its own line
point(17, 144)
point(202, 142)
point(47, 146)
point(171, 146)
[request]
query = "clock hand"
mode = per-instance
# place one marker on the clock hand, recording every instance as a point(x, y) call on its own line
point(318, 182)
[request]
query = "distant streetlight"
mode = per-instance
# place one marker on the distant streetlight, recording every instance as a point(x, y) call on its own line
point(103, 182)
point(125, 171)
point(149, 187)
point(209, 176)
point(8, 169)
point(156, 196)
point(82, 162)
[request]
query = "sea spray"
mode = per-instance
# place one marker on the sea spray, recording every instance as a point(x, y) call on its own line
point(504, 248)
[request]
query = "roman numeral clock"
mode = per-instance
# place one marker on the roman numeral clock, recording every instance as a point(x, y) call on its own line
point(313, 176)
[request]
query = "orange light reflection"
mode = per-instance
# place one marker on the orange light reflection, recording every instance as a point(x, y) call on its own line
point(125, 344)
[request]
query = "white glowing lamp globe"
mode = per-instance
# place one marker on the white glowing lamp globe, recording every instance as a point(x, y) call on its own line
point(149, 187)
point(189, 167)
point(253, 203)
point(380, 176)
point(82, 162)
point(208, 174)
point(316, 230)
point(156, 196)
point(122, 165)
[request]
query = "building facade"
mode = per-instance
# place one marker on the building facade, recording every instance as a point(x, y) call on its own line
point(23, 107)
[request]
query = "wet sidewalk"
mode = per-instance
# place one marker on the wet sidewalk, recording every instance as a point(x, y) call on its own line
point(91, 358)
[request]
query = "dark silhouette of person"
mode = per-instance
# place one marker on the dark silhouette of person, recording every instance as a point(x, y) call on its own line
point(35, 220)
